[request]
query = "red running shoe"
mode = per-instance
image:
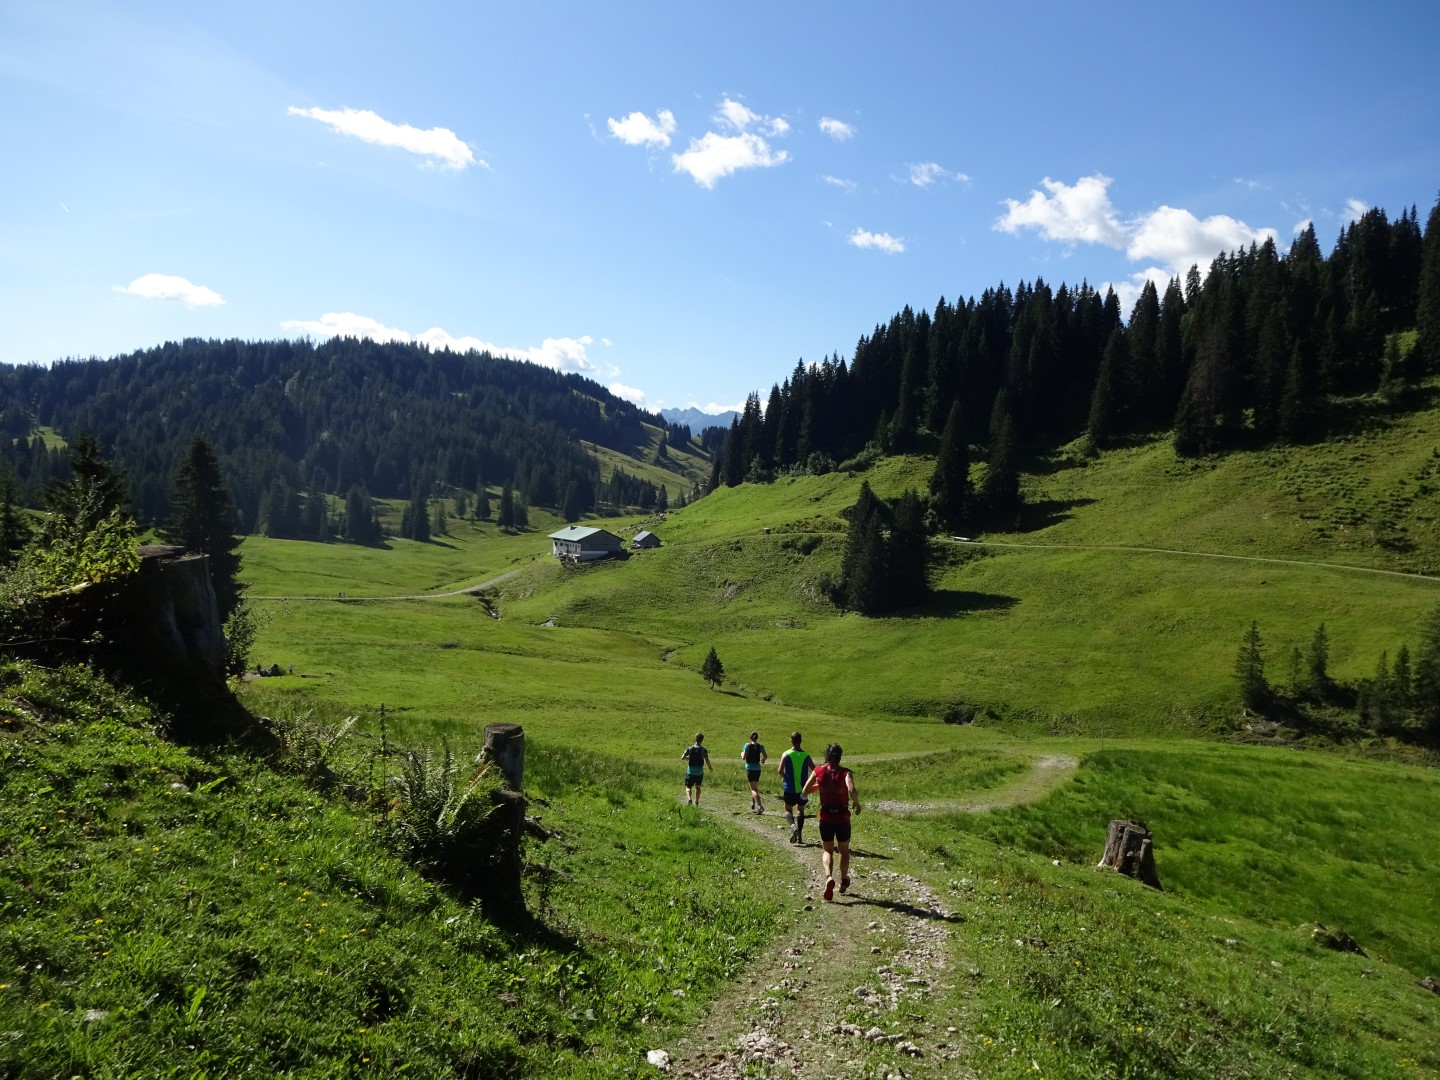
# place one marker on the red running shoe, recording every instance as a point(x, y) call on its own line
point(829, 890)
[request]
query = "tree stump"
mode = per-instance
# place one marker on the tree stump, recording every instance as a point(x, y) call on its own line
point(1127, 850)
point(505, 746)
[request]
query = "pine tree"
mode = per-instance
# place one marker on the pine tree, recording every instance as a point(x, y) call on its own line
point(93, 490)
point(1427, 309)
point(662, 500)
point(14, 529)
point(1002, 475)
point(1105, 402)
point(712, 670)
point(950, 482)
point(482, 505)
point(505, 518)
point(906, 558)
point(1425, 684)
point(202, 520)
point(1250, 670)
point(1317, 663)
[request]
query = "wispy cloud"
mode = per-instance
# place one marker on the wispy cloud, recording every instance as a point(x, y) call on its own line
point(925, 173)
point(629, 393)
point(170, 287)
point(838, 130)
point(862, 238)
point(1354, 210)
point(835, 181)
point(714, 155)
point(561, 354)
point(637, 129)
point(440, 146)
point(1083, 213)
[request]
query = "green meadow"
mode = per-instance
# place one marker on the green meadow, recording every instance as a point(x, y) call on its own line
point(1100, 681)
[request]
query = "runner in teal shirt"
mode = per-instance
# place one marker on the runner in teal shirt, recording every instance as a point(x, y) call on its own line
point(697, 760)
point(753, 755)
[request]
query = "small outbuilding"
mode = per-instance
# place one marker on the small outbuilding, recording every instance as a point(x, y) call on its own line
point(645, 539)
point(577, 543)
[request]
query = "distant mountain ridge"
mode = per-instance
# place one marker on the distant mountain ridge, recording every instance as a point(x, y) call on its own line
point(697, 420)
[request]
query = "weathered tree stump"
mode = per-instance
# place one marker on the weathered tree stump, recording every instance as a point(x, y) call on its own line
point(1128, 851)
point(505, 746)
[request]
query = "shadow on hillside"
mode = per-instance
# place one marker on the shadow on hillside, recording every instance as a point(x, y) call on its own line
point(441, 543)
point(1368, 414)
point(952, 603)
point(1043, 513)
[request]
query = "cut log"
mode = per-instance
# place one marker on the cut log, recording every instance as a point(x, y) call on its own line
point(1128, 851)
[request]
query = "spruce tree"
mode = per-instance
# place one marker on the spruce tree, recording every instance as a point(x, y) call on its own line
point(1002, 475)
point(1427, 309)
point(202, 520)
point(93, 489)
point(950, 482)
point(1250, 670)
point(1317, 665)
point(1105, 402)
point(712, 670)
point(505, 518)
point(14, 529)
point(1425, 682)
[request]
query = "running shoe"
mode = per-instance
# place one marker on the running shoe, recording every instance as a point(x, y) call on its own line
point(845, 883)
point(829, 890)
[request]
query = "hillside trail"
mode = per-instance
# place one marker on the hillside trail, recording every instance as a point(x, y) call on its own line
point(342, 598)
point(836, 997)
point(1199, 555)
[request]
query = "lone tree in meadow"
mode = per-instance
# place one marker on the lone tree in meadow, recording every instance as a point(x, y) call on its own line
point(202, 519)
point(712, 670)
point(1250, 670)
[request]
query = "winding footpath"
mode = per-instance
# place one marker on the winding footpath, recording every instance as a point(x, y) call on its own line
point(836, 997)
point(341, 598)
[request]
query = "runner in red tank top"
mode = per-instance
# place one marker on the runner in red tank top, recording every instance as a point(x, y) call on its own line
point(837, 794)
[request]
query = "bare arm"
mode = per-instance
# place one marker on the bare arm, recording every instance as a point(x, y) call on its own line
point(850, 790)
point(813, 784)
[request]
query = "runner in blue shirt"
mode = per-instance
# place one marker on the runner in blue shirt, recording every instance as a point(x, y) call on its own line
point(753, 755)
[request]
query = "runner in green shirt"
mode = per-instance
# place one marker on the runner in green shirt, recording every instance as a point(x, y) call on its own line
point(794, 770)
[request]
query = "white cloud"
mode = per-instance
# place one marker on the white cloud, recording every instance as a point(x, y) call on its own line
point(925, 173)
point(1129, 291)
point(836, 129)
point(561, 354)
point(1180, 240)
point(629, 393)
point(440, 145)
point(1083, 212)
point(735, 115)
point(1247, 183)
point(637, 129)
point(882, 241)
point(714, 156)
point(835, 181)
point(1354, 210)
point(1302, 225)
point(170, 287)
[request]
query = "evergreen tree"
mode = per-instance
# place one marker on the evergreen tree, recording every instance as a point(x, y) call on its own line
point(520, 511)
point(1105, 402)
point(1400, 684)
point(711, 670)
point(506, 516)
point(907, 554)
point(482, 506)
point(1425, 684)
point(1317, 680)
point(1427, 308)
point(14, 529)
point(1250, 670)
point(437, 521)
point(570, 508)
point(862, 565)
point(1002, 474)
point(950, 482)
point(94, 489)
point(662, 500)
point(360, 525)
point(202, 520)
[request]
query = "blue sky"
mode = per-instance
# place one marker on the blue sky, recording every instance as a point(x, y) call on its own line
point(677, 200)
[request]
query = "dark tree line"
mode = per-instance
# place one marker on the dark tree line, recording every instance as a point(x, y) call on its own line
point(884, 566)
point(292, 423)
point(1248, 352)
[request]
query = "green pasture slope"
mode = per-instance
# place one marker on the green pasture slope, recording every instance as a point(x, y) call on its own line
point(1065, 638)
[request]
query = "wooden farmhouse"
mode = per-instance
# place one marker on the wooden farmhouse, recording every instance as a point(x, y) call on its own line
point(577, 544)
point(645, 539)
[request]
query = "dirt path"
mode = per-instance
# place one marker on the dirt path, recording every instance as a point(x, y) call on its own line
point(1048, 773)
point(835, 998)
point(831, 999)
point(1199, 555)
point(341, 598)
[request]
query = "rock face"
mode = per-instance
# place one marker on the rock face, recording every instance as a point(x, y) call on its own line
point(170, 607)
